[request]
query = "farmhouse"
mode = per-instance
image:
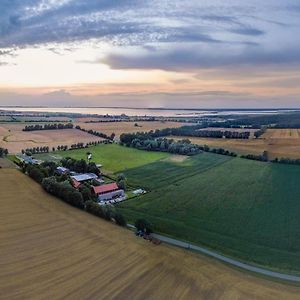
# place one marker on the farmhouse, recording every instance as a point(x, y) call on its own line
point(108, 192)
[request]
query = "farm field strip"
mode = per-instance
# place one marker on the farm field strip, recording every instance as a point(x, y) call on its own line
point(277, 142)
point(14, 139)
point(52, 250)
point(242, 208)
point(128, 127)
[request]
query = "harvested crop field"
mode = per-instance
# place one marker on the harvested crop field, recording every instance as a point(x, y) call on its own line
point(50, 250)
point(5, 163)
point(278, 142)
point(128, 127)
point(14, 139)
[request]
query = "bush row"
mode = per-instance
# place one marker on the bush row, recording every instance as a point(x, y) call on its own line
point(48, 127)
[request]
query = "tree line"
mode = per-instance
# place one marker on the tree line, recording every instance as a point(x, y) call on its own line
point(48, 127)
point(97, 133)
point(46, 149)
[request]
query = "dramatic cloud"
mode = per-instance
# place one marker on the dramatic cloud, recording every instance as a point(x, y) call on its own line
point(158, 45)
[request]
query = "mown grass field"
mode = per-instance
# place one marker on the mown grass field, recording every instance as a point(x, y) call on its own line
point(50, 250)
point(114, 158)
point(245, 209)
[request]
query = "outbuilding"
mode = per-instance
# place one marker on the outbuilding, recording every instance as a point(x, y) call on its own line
point(108, 192)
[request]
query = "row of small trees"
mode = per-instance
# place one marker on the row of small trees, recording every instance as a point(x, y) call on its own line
point(48, 127)
point(35, 150)
point(97, 133)
point(190, 131)
point(46, 149)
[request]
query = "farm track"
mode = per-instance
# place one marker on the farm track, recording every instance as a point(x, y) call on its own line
point(50, 250)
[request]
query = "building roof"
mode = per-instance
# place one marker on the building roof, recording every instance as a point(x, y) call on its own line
point(84, 177)
point(105, 188)
point(62, 169)
point(75, 183)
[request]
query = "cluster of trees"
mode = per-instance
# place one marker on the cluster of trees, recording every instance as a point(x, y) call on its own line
point(36, 172)
point(35, 150)
point(196, 132)
point(80, 166)
point(97, 133)
point(48, 127)
point(222, 151)
point(260, 132)
point(149, 143)
point(3, 152)
point(64, 191)
point(105, 212)
point(288, 161)
point(121, 182)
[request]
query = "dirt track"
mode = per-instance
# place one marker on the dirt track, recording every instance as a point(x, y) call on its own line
point(50, 250)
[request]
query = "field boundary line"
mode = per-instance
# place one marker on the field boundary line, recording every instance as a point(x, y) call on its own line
point(233, 262)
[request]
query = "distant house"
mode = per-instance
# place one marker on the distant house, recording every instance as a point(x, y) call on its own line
point(108, 192)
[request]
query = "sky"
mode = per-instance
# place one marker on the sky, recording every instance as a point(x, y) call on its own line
point(158, 53)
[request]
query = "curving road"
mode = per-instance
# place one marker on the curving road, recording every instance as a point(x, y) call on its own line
point(228, 260)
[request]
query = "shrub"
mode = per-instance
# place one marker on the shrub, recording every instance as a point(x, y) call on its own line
point(143, 225)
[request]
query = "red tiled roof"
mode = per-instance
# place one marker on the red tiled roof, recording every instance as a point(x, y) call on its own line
point(105, 188)
point(76, 184)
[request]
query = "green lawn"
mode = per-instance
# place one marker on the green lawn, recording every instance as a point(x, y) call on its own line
point(113, 157)
point(242, 208)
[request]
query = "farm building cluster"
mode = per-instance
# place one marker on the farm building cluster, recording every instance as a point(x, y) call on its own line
point(106, 193)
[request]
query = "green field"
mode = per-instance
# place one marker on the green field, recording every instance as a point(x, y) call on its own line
point(245, 209)
point(114, 158)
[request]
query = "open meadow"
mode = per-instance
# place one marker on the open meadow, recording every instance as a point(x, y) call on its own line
point(112, 157)
point(50, 250)
point(128, 127)
point(14, 139)
point(277, 142)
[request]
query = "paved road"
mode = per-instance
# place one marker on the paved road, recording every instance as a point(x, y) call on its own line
point(228, 260)
point(220, 257)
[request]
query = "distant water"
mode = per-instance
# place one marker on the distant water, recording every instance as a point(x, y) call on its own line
point(142, 111)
